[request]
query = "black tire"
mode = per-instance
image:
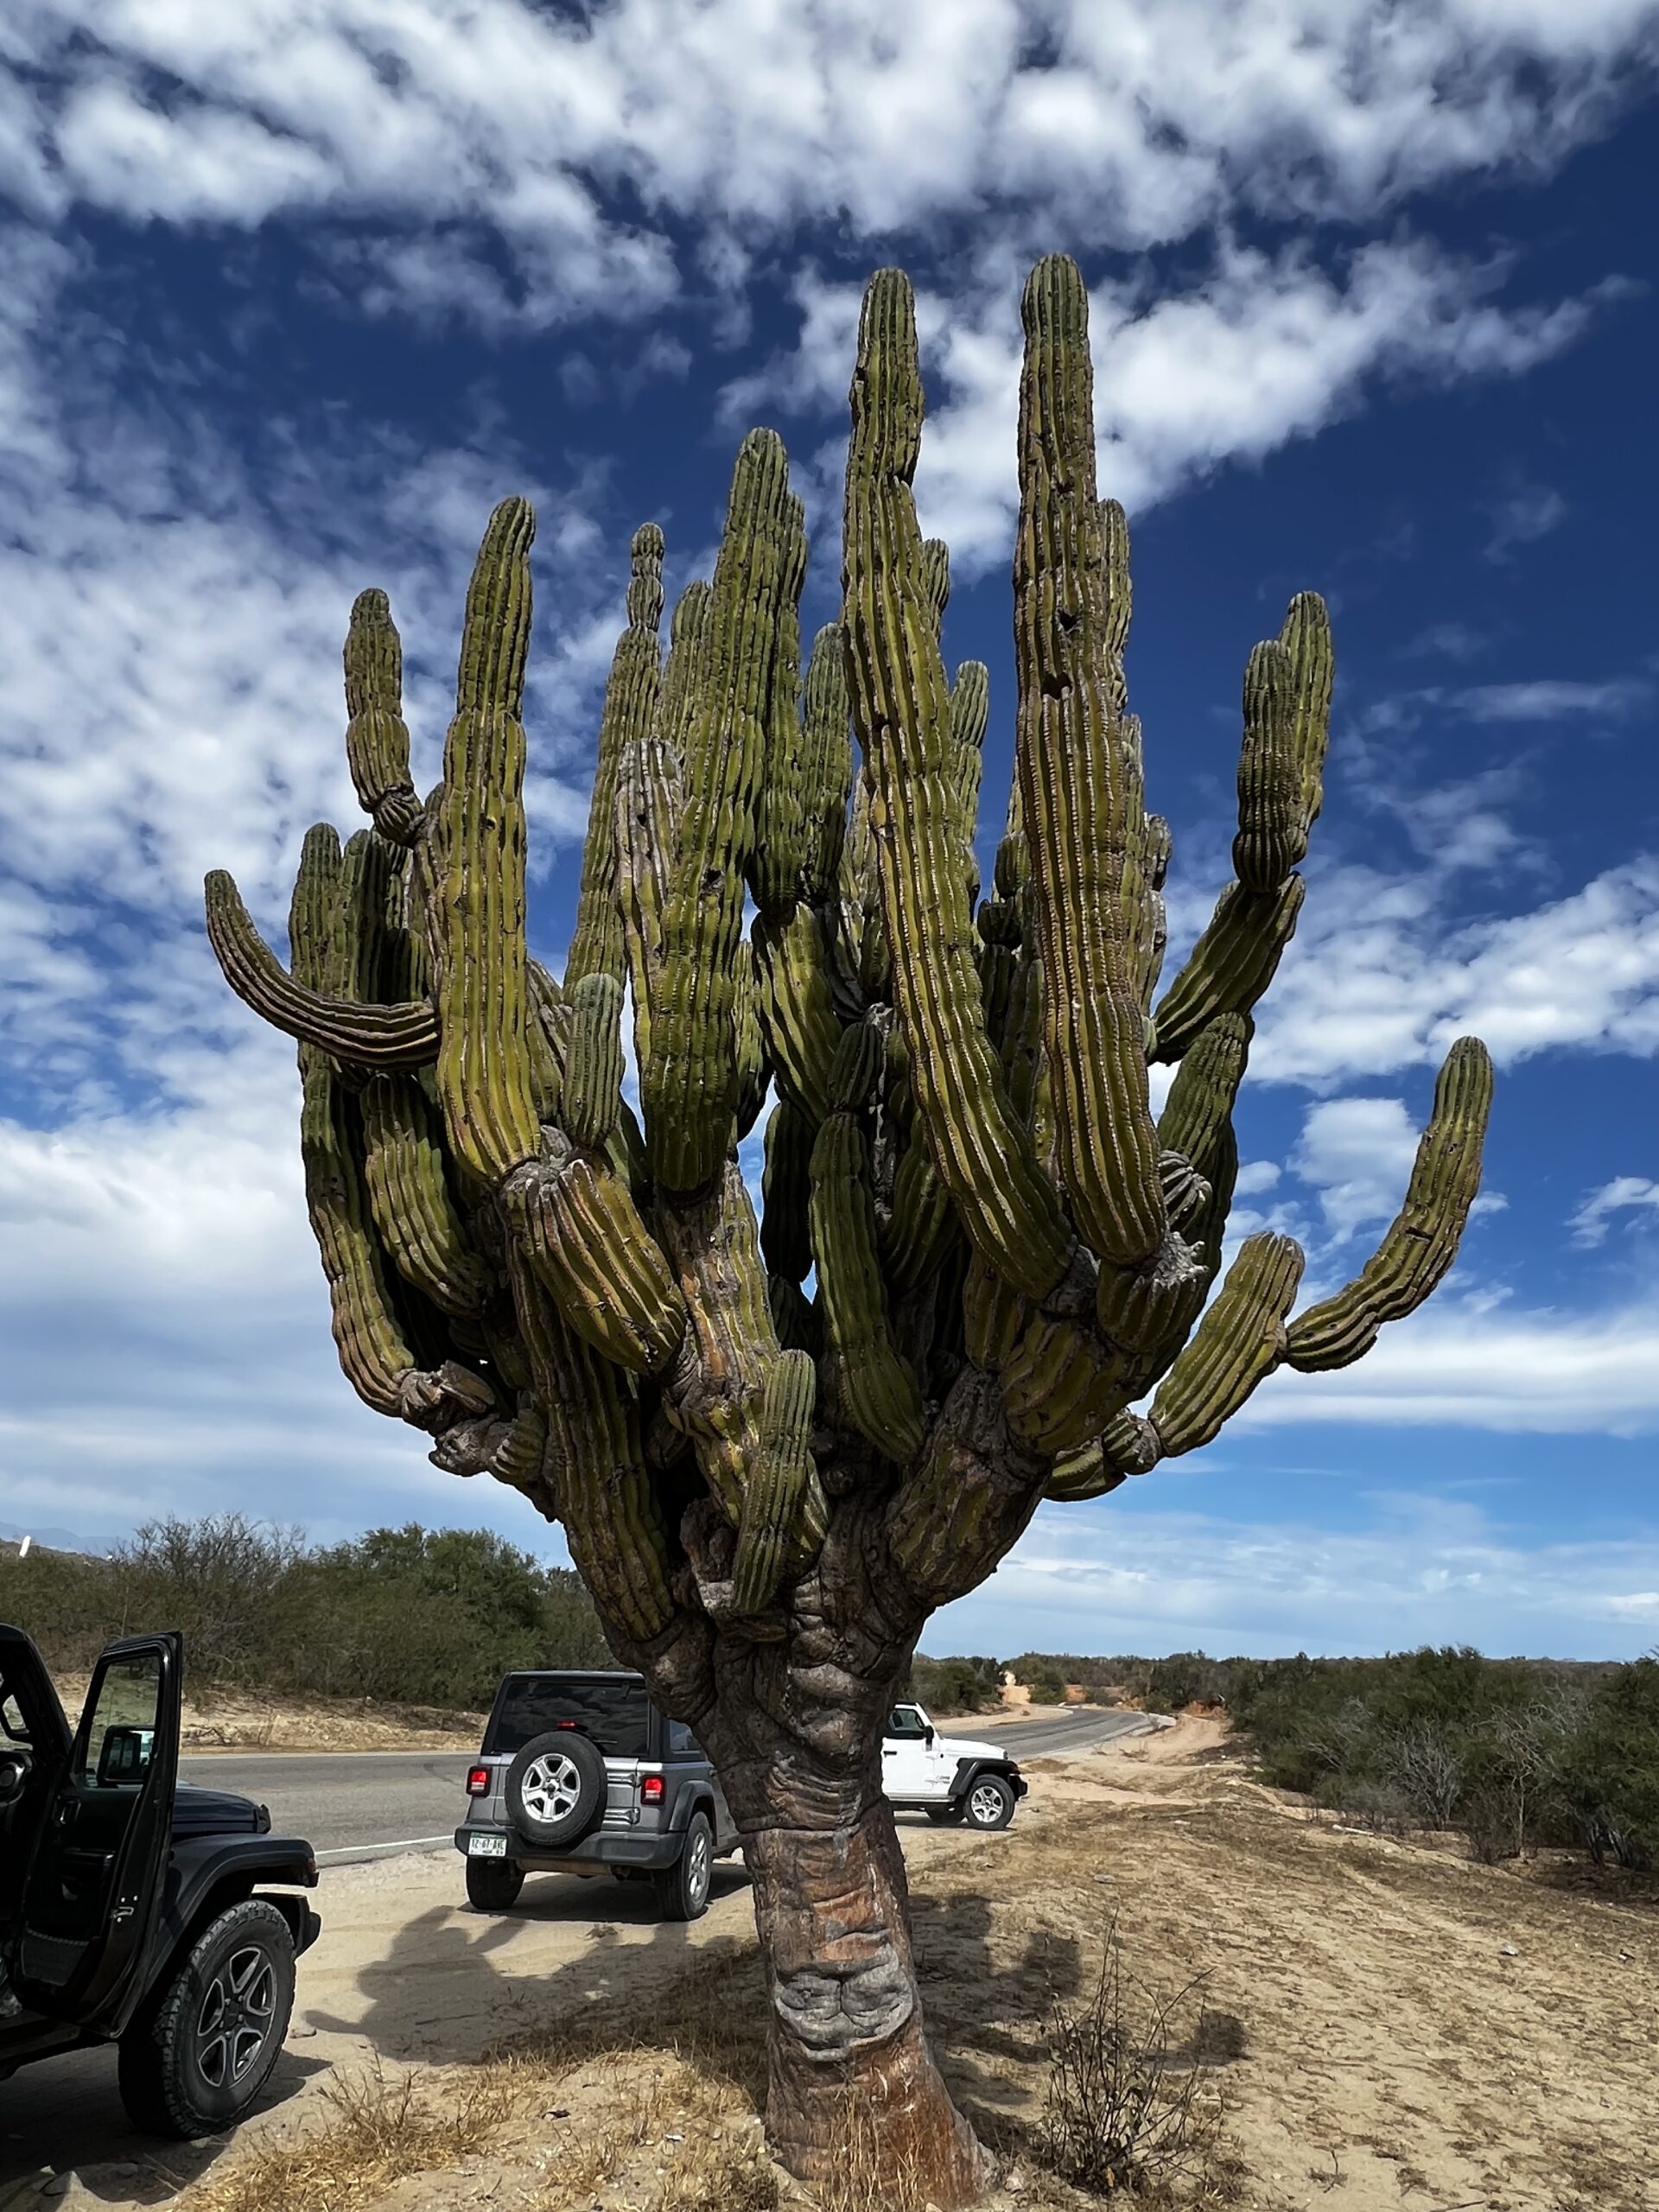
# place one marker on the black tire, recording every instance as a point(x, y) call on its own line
point(944, 1816)
point(493, 1885)
point(988, 1801)
point(201, 2049)
point(683, 1892)
point(555, 1788)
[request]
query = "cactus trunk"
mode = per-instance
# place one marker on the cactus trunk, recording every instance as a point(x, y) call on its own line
point(776, 1444)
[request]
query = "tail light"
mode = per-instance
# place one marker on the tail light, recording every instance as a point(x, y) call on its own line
point(651, 1789)
point(477, 1782)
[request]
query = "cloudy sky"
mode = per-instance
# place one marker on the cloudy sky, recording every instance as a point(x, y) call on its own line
point(295, 290)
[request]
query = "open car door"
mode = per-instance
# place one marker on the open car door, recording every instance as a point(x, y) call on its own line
point(93, 1888)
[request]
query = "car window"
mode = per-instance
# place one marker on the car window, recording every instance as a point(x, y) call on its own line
point(613, 1713)
point(12, 1723)
point(121, 1730)
point(905, 1720)
point(682, 1744)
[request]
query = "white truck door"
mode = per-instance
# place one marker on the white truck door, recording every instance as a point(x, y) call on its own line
point(910, 1771)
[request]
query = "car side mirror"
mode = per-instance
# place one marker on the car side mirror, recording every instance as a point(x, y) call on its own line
point(927, 1733)
point(124, 1755)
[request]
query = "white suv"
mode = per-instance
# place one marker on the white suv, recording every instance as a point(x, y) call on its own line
point(951, 1779)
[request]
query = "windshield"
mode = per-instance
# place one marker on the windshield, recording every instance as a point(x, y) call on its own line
point(613, 1713)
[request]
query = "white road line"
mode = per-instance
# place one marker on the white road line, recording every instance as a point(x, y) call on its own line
point(382, 1850)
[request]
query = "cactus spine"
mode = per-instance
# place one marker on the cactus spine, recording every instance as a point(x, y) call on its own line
point(775, 1446)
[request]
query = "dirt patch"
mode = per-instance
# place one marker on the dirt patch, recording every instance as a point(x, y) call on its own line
point(235, 1720)
point(1386, 2026)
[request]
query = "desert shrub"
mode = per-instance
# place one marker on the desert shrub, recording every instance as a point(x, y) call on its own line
point(1040, 1676)
point(411, 1616)
point(956, 1685)
point(1123, 2108)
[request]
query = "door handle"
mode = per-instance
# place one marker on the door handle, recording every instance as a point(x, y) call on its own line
point(889, 1755)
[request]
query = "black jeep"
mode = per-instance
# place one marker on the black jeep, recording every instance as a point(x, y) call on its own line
point(580, 1774)
point(132, 1907)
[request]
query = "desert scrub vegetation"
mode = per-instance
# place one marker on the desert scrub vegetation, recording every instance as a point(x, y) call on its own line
point(423, 1617)
point(1129, 2105)
point(1519, 1755)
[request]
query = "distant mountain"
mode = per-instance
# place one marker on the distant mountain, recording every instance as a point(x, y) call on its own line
point(52, 1540)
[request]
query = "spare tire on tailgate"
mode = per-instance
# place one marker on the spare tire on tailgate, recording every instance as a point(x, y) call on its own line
point(556, 1789)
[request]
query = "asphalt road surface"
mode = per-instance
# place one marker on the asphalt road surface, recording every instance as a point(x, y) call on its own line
point(371, 1804)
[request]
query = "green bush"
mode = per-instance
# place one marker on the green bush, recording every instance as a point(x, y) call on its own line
point(409, 1616)
point(956, 1685)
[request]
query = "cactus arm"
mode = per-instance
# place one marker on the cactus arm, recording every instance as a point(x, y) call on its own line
point(878, 1387)
point(582, 1234)
point(918, 1230)
point(590, 1102)
point(827, 773)
point(1421, 1241)
point(781, 1476)
point(377, 736)
point(1306, 637)
point(1240, 1340)
point(604, 1491)
point(795, 1006)
point(785, 1238)
point(784, 801)
point(689, 1083)
point(970, 709)
point(648, 798)
point(596, 946)
point(901, 709)
point(1126, 1445)
point(1073, 789)
point(713, 1393)
point(1231, 964)
point(1271, 836)
point(1060, 1382)
point(476, 851)
point(410, 1199)
point(369, 1036)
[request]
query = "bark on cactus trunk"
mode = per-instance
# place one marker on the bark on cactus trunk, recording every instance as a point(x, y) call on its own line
point(848, 2067)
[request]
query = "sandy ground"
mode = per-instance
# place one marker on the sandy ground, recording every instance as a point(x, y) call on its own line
point(1388, 2025)
point(231, 1722)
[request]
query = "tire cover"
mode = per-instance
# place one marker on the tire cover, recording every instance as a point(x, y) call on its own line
point(563, 1764)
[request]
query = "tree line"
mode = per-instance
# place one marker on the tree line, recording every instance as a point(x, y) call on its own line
point(1518, 1755)
point(414, 1615)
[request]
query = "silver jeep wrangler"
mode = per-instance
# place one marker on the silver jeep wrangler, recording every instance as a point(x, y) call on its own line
point(579, 1773)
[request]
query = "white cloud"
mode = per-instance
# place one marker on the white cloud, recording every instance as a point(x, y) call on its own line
point(1123, 127)
point(1624, 1194)
point(1262, 351)
point(1456, 1366)
point(1523, 517)
point(1357, 1153)
point(1148, 1571)
point(1381, 976)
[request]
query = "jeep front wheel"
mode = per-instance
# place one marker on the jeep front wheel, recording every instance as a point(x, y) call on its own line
point(493, 1885)
point(990, 1802)
point(197, 2057)
point(683, 1892)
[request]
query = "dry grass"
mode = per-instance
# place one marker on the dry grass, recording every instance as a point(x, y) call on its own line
point(380, 2131)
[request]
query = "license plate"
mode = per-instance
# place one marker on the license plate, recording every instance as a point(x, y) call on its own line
point(486, 1846)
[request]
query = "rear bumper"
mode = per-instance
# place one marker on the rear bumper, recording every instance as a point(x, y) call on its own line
point(656, 1854)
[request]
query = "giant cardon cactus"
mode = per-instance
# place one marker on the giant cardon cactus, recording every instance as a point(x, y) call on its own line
point(983, 1270)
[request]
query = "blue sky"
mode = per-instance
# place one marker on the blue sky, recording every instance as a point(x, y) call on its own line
point(295, 292)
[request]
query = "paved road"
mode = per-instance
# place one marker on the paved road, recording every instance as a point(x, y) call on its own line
point(369, 1804)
